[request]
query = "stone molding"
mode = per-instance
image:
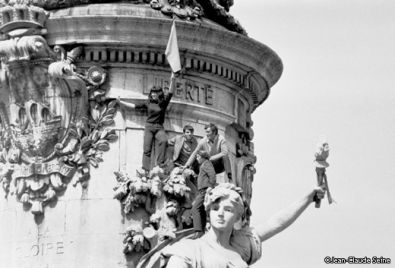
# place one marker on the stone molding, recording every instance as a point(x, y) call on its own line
point(191, 10)
point(110, 26)
point(108, 55)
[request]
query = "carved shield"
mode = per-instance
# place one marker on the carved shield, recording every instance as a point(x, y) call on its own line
point(40, 98)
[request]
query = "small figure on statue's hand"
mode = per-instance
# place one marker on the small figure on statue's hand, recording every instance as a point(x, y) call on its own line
point(321, 164)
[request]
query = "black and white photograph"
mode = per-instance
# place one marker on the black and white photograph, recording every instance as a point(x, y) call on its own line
point(197, 133)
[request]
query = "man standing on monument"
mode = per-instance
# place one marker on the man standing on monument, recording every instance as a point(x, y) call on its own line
point(156, 106)
point(215, 145)
point(206, 179)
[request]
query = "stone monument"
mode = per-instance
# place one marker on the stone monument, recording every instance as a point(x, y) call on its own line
point(71, 196)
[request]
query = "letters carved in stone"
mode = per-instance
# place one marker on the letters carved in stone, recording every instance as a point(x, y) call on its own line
point(52, 126)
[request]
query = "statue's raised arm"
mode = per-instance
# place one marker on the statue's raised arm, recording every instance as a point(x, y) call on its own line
point(225, 244)
point(287, 216)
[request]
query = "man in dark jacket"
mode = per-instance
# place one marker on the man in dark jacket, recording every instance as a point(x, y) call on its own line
point(206, 179)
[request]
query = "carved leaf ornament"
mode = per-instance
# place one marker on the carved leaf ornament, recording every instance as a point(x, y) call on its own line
point(51, 129)
point(159, 194)
point(135, 241)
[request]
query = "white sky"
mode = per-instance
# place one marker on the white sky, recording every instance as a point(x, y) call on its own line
point(338, 80)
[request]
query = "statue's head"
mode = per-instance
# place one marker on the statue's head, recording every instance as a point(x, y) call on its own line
point(225, 206)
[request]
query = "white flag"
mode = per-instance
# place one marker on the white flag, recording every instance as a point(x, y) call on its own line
point(172, 53)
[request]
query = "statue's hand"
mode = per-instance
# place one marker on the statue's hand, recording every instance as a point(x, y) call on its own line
point(317, 193)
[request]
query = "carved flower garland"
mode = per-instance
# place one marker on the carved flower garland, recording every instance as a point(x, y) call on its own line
point(135, 241)
point(169, 192)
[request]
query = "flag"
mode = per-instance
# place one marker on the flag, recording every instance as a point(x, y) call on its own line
point(172, 53)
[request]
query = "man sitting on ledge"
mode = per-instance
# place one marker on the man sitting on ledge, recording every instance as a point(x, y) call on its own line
point(184, 146)
point(215, 145)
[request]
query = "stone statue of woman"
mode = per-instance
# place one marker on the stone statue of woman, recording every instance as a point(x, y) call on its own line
point(225, 245)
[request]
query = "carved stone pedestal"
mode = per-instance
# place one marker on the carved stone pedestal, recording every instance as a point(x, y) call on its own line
point(63, 135)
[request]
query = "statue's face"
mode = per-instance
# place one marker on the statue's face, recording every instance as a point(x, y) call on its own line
point(325, 146)
point(223, 215)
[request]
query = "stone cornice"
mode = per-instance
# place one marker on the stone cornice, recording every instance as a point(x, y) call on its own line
point(125, 24)
point(237, 80)
point(215, 10)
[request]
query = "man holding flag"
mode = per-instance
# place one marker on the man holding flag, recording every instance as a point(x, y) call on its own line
point(156, 109)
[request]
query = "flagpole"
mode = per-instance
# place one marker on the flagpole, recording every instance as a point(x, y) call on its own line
point(172, 81)
point(172, 75)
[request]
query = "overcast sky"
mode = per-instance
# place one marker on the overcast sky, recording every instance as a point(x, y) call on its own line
point(338, 80)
